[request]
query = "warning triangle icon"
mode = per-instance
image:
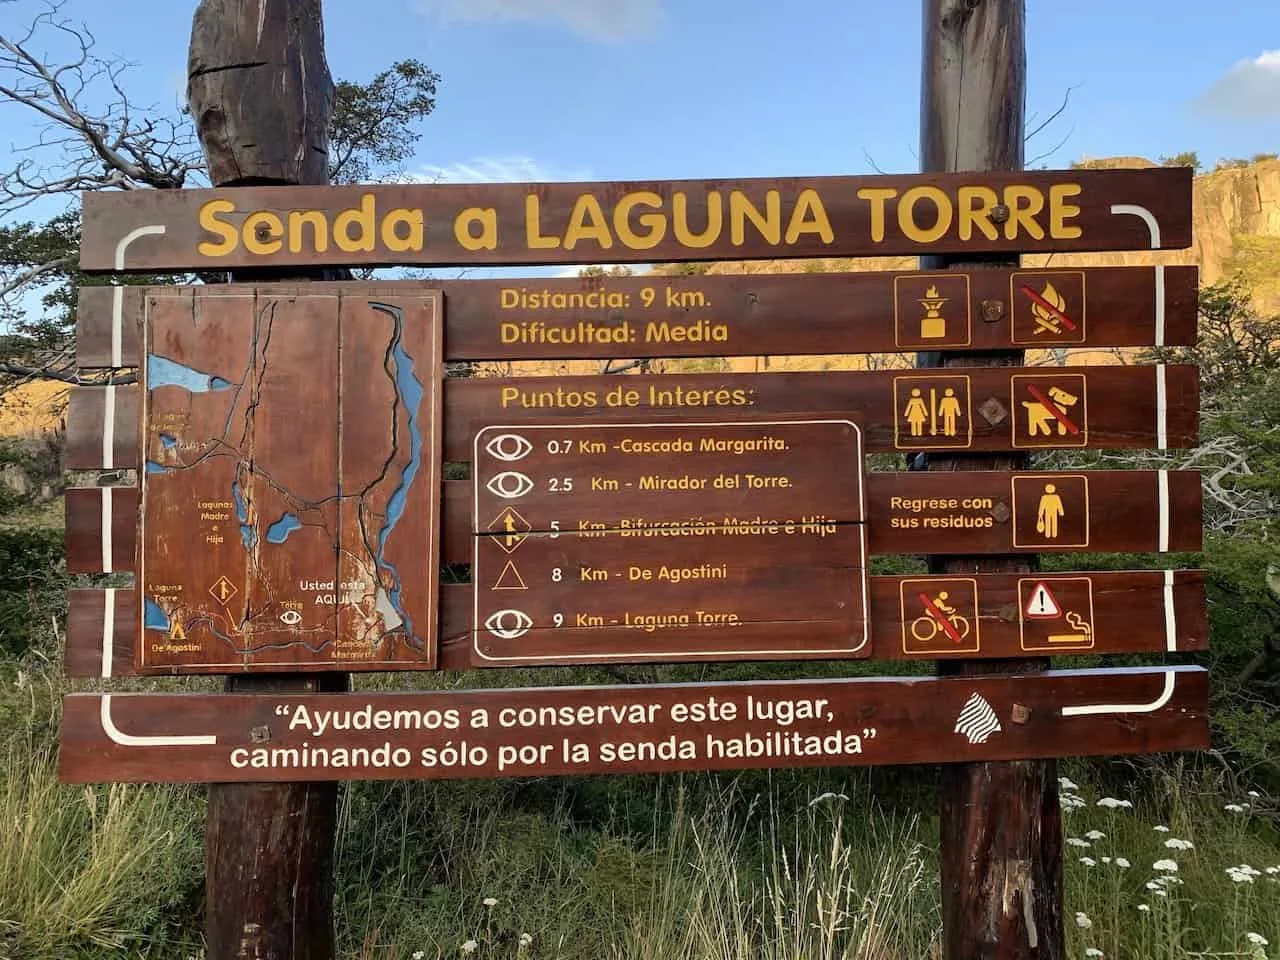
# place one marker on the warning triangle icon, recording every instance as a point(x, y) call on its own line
point(1043, 605)
point(509, 578)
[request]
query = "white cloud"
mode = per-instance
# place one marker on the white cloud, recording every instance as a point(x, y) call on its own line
point(1249, 90)
point(596, 19)
point(511, 169)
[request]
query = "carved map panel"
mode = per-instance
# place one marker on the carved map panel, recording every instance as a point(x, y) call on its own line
point(290, 481)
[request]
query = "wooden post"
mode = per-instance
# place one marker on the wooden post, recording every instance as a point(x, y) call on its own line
point(1000, 823)
point(262, 98)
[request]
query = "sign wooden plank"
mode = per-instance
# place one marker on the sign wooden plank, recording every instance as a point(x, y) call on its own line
point(740, 315)
point(1143, 611)
point(636, 221)
point(1119, 407)
point(1106, 511)
point(274, 530)
point(900, 410)
point(639, 596)
point(101, 528)
point(218, 738)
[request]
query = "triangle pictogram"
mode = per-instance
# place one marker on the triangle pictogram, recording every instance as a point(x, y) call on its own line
point(1043, 605)
point(509, 578)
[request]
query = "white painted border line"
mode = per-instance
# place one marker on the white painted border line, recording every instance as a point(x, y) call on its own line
point(116, 735)
point(1153, 226)
point(105, 532)
point(117, 294)
point(1162, 500)
point(1094, 709)
point(1170, 678)
point(108, 629)
point(109, 428)
point(1170, 615)
point(1147, 217)
point(1162, 407)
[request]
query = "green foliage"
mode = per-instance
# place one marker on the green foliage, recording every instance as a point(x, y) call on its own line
point(33, 586)
point(1188, 158)
point(372, 131)
point(1264, 157)
point(691, 269)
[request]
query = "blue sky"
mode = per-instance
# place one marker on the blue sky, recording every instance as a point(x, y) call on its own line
point(618, 89)
point(657, 89)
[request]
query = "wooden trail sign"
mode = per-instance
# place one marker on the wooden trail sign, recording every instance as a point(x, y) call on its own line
point(703, 482)
point(1032, 408)
point(636, 222)
point(992, 616)
point(653, 728)
point(734, 315)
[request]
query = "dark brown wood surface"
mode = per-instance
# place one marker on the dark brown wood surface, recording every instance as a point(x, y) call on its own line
point(275, 531)
point(635, 221)
point(632, 729)
point(745, 315)
point(1128, 612)
point(260, 91)
point(1000, 835)
point(262, 98)
point(1129, 511)
point(1115, 407)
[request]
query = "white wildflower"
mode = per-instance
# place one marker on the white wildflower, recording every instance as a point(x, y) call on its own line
point(1069, 802)
point(1152, 885)
point(1253, 795)
point(1066, 784)
point(1095, 835)
point(1161, 892)
point(1160, 828)
point(1083, 921)
point(1238, 876)
point(1143, 908)
point(526, 939)
point(1170, 865)
point(1111, 803)
point(1233, 808)
point(1257, 939)
point(419, 954)
point(470, 946)
point(1106, 859)
point(490, 901)
point(1273, 871)
point(1173, 843)
point(1089, 861)
point(1077, 842)
point(1122, 863)
point(1093, 952)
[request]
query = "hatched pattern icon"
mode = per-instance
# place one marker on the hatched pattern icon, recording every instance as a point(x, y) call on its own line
point(977, 720)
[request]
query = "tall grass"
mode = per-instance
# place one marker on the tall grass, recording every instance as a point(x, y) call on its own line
point(804, 889)
point(90, 871)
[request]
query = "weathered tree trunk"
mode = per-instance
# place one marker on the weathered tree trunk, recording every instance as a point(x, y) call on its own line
point(1001, 829)
point(262, 97)
point(260, 91)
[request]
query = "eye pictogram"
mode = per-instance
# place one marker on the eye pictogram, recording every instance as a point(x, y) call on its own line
point(508, 624)
point(291, 617)
point(509, 484)
point(509, 447)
